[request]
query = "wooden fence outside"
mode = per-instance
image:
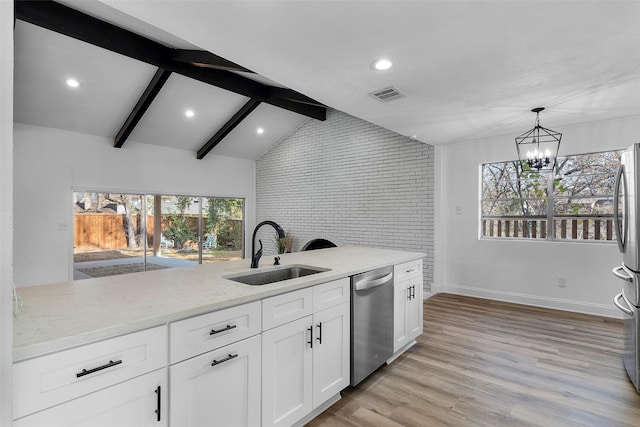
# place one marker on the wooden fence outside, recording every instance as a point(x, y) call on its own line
point(105, 231)
point(108, 230)
point(590, 228)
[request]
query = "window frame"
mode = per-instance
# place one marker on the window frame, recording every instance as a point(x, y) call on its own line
point(550, 199)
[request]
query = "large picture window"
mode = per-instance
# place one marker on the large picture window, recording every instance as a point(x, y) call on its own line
point(575, 202)
point(127, 233)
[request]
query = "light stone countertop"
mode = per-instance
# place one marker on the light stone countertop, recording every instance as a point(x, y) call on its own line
point(63, 315)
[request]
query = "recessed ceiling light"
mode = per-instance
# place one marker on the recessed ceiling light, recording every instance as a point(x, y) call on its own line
point(189, 113)
point(381, 64)
point(71, 82)
point(259, 131)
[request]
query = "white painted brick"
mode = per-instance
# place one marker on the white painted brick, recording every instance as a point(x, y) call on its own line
point(351, 182)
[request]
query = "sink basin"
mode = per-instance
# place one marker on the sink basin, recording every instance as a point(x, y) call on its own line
point(277, 274)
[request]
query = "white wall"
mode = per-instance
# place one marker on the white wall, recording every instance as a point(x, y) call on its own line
point(501, 269)
point(6, 208)
point(351, 182)
point(50, 163)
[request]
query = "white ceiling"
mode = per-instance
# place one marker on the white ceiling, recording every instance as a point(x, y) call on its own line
point(470, 69)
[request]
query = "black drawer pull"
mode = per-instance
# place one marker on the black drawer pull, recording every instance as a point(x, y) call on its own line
point(229, 327)
point(217, 362)
point(99, 368)
point(310, 342)
point(319, 333)
point(159, 400)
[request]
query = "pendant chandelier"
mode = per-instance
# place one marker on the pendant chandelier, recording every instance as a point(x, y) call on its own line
point(540, 146)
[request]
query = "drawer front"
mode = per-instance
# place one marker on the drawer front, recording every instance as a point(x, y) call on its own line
point(331, 294)
point(284, 308)
point(55, 378)
point(407, 270)
point(200, 334)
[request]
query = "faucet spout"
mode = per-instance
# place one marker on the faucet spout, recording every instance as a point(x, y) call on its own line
point(255, 256)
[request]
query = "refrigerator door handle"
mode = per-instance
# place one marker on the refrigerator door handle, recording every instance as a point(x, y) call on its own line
point(620, 226)
point(621, 273)
point(623, 309)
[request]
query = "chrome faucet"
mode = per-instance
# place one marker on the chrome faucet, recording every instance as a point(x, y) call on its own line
point(255, 257)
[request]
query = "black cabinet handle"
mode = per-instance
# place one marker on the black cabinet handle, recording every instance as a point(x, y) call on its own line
point(409, 292)
point(310, 342)
point(227, 328)
point(319, 333)
point(217, 362)
point(159, 398)
point(99, 368)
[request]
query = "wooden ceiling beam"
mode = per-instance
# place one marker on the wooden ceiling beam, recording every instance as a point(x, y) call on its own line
point(149, 94)
point(202, 58)
point(234, 121)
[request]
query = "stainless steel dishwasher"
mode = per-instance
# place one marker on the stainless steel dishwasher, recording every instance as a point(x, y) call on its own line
point(371, 322)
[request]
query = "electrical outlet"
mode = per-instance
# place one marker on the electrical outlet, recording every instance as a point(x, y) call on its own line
point(562, 282)
point(63, 226)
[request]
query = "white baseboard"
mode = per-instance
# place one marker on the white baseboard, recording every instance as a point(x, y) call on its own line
point(534, 300)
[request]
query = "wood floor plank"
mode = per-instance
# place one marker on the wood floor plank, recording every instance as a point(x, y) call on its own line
point(491, 363)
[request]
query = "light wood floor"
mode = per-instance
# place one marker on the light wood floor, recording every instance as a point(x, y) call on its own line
point(489, 363)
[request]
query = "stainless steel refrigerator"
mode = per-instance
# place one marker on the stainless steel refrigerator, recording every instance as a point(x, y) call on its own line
point(627, 224)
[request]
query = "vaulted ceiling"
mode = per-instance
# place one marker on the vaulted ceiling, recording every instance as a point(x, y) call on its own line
point(470, 69)
point(132, 87)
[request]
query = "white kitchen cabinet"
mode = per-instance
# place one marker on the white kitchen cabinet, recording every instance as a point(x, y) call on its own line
point(408, 305)
point(206, 332)
point(287, 359)
point(306, 361)
point(55, 378)
point(331, 352)
point(221, 387)
point(138, 402)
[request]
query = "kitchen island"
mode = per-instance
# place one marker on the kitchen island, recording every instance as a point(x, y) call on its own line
point(57, 320)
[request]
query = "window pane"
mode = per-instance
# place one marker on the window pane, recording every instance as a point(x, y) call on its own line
point(223, 229)
point(584, 185)
point(583, 206)
point(515, 207)
point(179, 230)
point(515, 189)
point(108, 234)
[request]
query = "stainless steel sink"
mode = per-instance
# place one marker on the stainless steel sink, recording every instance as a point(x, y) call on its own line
point(276, 274)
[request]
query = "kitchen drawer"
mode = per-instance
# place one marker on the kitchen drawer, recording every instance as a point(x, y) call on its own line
point(407, 270)
point(331, 294)
point(207, 332)
point(284, 308)
point(58, 377)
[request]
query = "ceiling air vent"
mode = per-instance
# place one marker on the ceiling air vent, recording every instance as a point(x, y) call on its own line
point(387, 94)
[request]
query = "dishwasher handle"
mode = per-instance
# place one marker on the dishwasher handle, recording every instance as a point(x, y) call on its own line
point(372, 283)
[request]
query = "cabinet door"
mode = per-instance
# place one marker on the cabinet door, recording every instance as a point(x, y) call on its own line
point(401, 333)
point(133, 403)
point(286, 372)
point(221, 387)
point(415, 309)
point(331, 352)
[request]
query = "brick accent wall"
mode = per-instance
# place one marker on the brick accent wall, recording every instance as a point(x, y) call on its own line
point(351, 182)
